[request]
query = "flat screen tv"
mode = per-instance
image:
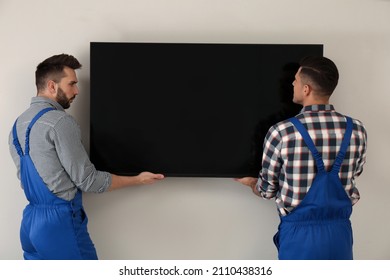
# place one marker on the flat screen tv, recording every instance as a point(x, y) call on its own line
point(188, 109)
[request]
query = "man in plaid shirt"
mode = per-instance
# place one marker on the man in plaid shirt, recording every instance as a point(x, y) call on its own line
point(288, 166)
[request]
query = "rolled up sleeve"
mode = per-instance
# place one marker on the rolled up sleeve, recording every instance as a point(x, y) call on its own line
point(268, 183)
point(75, 160)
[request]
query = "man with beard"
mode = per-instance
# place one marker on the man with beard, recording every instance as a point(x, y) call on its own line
point(54, 168)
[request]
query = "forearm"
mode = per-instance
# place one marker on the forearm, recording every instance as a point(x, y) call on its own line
point(118, 182)
point(143, 178)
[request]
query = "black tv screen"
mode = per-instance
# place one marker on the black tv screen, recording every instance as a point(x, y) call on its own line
point(188, 109)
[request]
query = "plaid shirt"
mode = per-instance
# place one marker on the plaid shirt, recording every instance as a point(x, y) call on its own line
point(288, 167)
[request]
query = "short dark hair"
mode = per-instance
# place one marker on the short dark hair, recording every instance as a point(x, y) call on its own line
point(53, 68)
point(322, 72)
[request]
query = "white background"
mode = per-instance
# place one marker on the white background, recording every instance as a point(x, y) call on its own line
point(199, 218)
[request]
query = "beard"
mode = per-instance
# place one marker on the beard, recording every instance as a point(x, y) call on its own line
point(62, 99)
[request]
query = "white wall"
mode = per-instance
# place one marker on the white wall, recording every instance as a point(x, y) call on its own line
point(203, 218)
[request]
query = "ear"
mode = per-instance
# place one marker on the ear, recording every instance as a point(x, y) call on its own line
point(52, 87)
point(307, 90)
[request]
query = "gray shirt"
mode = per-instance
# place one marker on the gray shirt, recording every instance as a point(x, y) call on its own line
point(57, 151)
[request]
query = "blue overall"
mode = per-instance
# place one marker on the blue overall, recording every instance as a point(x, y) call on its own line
point(319, 228)
point(51, 228)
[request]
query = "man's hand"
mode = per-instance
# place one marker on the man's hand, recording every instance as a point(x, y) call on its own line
point(146, 178)
point(250, 182)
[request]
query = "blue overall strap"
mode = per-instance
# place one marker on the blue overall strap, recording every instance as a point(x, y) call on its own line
point(16, 140)
point(15, 134)
point(344, 146)
point(27, 147)
point(309, 142)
